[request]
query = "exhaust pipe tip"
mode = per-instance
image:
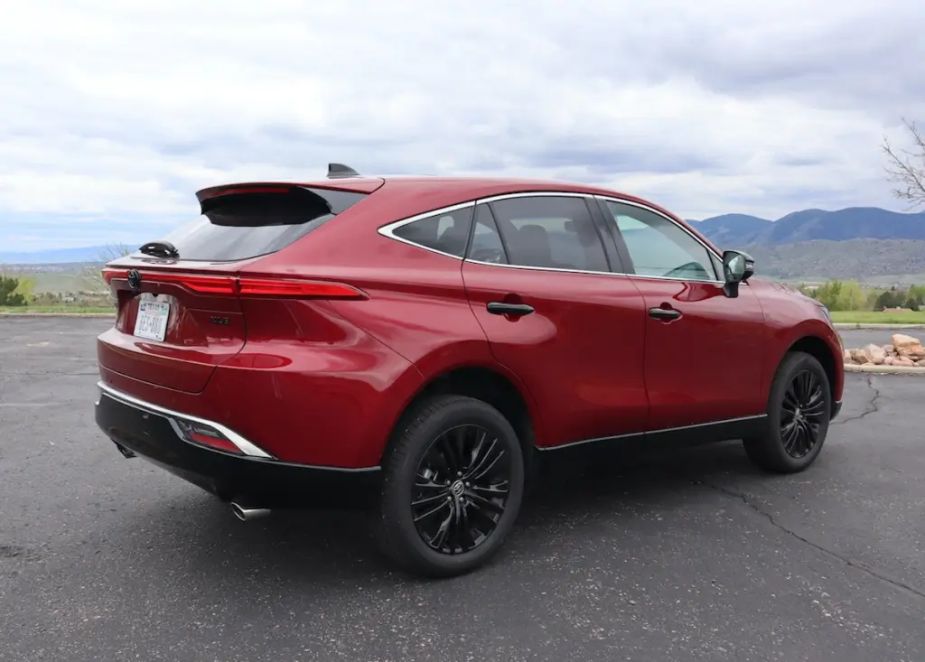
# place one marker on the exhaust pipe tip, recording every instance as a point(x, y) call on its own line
point(246, 513)
point(126, 453)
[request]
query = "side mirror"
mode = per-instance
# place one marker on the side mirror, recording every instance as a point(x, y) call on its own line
point(737, 267)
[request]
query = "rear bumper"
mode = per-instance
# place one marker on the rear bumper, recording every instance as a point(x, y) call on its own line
point(152, 432)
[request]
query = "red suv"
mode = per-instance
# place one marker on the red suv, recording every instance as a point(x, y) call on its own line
point(418, 343)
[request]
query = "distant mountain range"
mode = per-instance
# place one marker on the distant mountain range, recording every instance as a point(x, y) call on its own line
point(732, 230)
point(871, 261)
point(58, 255)
point(858, 242)
point(869, 244)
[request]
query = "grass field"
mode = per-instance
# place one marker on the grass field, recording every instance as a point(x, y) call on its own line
point(57, 310)
point(58, 278)
point(873, 317)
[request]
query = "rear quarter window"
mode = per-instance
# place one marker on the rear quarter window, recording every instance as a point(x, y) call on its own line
point(446, 232)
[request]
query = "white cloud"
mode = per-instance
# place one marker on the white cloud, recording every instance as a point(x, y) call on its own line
point(120, 111)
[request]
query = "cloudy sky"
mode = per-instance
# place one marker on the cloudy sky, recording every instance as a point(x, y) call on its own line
point(114, 113)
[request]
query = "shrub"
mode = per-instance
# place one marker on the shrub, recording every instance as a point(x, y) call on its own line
point(8, 294)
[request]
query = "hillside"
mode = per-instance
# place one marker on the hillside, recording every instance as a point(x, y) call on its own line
point(730, 230)
point(733, 229)
point(58, 278)
point(873, 261)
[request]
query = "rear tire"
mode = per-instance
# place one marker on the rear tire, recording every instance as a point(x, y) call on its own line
point(453, 482)
point(799, 409)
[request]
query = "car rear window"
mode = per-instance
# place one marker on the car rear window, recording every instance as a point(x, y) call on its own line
point(245, 225)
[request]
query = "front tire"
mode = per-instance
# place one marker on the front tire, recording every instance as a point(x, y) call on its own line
point(453, 482)
point(799, 409)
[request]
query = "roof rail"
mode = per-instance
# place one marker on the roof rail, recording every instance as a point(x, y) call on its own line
point(340, 171)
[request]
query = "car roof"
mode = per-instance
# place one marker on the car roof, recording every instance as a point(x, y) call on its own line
point(470, 186)
point(417, 194)
point(473, 187)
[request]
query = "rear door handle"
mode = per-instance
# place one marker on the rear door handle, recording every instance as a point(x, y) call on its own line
point(664, 313)
point(513, 309)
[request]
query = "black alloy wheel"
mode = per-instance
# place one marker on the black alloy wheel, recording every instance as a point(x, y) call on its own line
point(452, 485)
point(803, 414)
point(460, 489)
point(797, 422)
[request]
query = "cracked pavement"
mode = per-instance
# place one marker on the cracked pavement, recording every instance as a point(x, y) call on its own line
point(691, 555)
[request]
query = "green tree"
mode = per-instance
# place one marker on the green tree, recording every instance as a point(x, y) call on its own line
point(850, 296)
point(917, 292)
point(889, 299)
point(26, 287)
point(827, 293)
point(8, 294)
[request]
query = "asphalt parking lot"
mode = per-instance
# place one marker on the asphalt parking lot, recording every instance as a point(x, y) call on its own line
point(693, 555)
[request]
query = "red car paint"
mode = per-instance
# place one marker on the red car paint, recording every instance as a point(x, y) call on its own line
point(323, 379)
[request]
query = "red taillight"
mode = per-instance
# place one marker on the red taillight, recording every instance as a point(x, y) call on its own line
point(110, 274)
point(198, 284)
point(298, 289)
point(249, 287)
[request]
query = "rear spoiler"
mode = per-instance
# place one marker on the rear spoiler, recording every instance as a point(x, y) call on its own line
point(351, 184)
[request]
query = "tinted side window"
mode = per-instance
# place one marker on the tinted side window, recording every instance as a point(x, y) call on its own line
point(659, 247)
point(486, 242)
point(549, 231)
point(447, 232)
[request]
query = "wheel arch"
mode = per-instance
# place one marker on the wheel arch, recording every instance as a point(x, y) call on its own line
point(819, 349)
point(483, 383)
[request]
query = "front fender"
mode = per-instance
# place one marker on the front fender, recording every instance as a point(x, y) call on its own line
point(817, 337)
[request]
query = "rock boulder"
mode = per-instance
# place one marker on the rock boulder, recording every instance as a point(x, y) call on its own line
point(874, 354)
point(858, 356)
point(908, 347)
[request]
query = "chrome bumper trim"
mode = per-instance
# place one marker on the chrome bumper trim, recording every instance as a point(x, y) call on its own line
point(243, 444)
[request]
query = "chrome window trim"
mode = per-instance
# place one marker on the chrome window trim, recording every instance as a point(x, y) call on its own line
point(534, 194)
point(630, 435)
point(534, 268)
point(593, 273)
point(388, 230)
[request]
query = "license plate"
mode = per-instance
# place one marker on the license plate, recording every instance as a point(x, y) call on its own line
point(151, 322)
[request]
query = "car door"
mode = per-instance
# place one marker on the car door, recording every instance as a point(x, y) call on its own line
point(704, 351)
point(539, 281)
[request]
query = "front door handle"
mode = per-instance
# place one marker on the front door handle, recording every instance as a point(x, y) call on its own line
point(666, 314)
point(512, 309)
